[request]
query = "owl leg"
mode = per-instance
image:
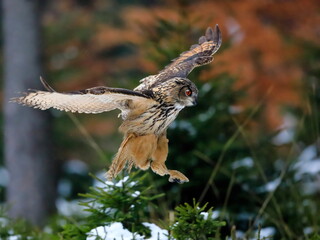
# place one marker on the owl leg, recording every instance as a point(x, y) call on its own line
point(160, 156)
point(158, 164)
point(120, 158)
point(140, 149)
point(135, 150)
point(178, 177)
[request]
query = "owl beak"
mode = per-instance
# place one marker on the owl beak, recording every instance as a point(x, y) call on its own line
point(194, 102)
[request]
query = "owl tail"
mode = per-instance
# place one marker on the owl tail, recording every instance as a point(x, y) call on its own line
point(120, 160)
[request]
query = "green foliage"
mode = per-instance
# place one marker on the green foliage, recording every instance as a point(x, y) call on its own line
point(195, 224)
point(129, 202)
point(315, 237)
point(126, 201)
point(20, 229)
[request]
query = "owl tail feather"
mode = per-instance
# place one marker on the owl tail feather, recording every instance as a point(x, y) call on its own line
point(120, 160)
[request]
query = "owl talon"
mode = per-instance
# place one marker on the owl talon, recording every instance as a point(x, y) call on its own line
point(178, 177)
point(176, 180)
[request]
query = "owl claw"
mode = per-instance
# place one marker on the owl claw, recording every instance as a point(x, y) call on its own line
point(178, 177)
point(176, 180)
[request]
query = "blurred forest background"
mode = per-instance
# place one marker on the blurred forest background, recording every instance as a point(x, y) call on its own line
point(250, 148)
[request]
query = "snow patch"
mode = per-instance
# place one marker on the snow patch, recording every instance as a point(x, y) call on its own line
point(245, 162)
point(157, 233)
point(215, 215)
point(136, 194)
point(312, 167)
point(116, 232)
point(308, 153)
point(106, 184)
point(285, 136)
point(76, 166)
point(120, 183)
point(113, 232)
point(69, 208)
point(287, 131)
point(308, 230)
point(267, 232)
point(270, 186)
point(15, 237)
point(3, 222)
point(307, 164)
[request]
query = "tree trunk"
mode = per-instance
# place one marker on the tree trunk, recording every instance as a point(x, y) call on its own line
point(28, 152)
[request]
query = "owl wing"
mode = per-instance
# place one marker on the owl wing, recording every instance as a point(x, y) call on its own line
point(198, 55)
point(92, 100)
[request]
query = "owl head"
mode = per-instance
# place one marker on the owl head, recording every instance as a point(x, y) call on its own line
point(187, 92)
point(180, 92)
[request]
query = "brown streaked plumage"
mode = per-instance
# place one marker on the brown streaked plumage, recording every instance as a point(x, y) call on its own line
point(147, 111)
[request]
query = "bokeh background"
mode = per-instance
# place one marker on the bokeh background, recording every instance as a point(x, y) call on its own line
point(251, 146)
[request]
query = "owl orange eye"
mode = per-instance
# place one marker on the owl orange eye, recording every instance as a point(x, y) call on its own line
point(188, 92)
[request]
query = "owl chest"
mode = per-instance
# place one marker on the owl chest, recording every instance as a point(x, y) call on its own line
point(161, 121)
point(154, 120)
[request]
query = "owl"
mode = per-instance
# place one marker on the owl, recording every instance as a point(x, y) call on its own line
point(146, 111)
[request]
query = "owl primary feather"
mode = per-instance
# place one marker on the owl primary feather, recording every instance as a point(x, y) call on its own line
point(147, 111)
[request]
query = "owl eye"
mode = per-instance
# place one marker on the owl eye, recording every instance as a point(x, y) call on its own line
point(188, 92)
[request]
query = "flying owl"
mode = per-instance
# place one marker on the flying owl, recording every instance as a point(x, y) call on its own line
point(147, 111)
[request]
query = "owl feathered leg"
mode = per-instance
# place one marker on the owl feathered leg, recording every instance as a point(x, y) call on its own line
point(134, 150)
point(159, 157)
point(143, 152)
point(140, 149)
point(119, 160)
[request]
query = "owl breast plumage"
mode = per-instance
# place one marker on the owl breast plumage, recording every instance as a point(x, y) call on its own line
point(147, 111)
point(156, 116)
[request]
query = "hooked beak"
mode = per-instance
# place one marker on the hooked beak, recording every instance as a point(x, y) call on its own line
point(194, 102)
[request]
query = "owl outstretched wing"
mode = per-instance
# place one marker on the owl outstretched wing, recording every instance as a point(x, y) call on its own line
point(198, 55)
point(91, 100)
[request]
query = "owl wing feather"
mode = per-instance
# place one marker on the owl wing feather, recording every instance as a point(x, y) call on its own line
point(92, 100)
point(198, 55)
